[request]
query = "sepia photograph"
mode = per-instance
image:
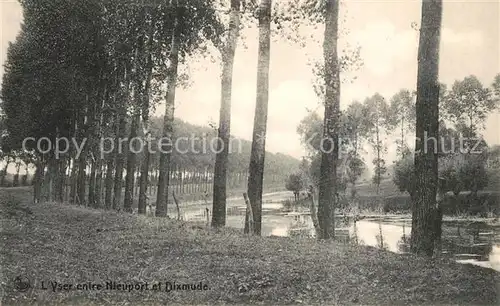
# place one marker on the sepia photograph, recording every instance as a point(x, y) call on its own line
point(249, 152)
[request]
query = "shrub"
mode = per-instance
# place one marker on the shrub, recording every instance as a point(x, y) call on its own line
point(399, 203)
point(290, 204)
point(465, 203)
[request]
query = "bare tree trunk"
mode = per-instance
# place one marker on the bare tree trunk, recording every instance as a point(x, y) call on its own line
point(426, 162)
point(108, 195)
point(144, 178)
point(51, 178)
point(168, 121)
point(221, 158)
point(73, 181)
point(119, 163)
point(81, 179)
point(143, 184)
point(378, 170)
point(4, 171)
point(249, 222)
point(38, 181)
point(82, 162)
point(98, 183)
point(258, 152)
point(129, 178)
point(314, 215)
point(60, 179)
point(15, 181)
point(330, 151)
point(92, 182)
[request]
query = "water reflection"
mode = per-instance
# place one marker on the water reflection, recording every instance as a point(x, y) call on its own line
point(466, 242)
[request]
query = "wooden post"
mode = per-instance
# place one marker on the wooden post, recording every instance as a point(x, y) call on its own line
point(312, 208)
point(249, 214)
point(176, 205)
point(207, 210)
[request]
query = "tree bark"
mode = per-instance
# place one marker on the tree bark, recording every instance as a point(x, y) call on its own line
point(119, 162)
point(221, 158)
point(257, 157)
point(73, 180)
point(4, 172)
point(108, 195)
point(38, 181)
point(130, 176)
point(98, 183)
point(60, 179)
point(426, 158)
point(168, 121)
point(330, 151)
point(143, 180)
point(92, 183)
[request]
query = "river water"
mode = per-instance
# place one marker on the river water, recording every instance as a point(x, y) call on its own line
point(463, 240)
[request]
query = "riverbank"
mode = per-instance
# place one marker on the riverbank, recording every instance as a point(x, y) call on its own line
point(74, 245)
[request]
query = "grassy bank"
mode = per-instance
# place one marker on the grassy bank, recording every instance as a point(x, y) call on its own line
point(56, 242)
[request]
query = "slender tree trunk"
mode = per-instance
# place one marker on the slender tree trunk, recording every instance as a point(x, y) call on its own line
point(92, 183)
point(168, 121)
point(402, 137)
point(129, 178)
point(120, 161)
point(98, 183)
point(426, 162)
point(330, 151)
point(15, 182)
point(38, 181)
point(378, 170)
point(73, 181)
point(92, 134)
point(52, 178)
point(24, 181)
point(108, 195)
point(143, 184)
point(144, 178)
point(81, 179)
point(4, 171)
point(257, 157)
point(221, 158)
point(60, 179)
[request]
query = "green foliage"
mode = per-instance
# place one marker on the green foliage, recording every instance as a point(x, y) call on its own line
point(380, 170)
point(402, 116)
point(310, 130)
point(100, 48)
point(458, 171)
point(473, 173)
point(468, 103)
point(404, 174)
point(356, 167)
point(294, 183)
point(482, 204)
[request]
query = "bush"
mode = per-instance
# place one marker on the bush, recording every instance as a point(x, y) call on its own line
point(466, 203)
point(370, 202)
point(290, 204)
point(482, 204)
point(399, 203)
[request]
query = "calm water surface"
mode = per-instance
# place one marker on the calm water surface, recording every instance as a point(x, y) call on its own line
point(477, 244)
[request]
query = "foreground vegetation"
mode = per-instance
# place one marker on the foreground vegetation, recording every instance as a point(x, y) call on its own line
point(68, 244)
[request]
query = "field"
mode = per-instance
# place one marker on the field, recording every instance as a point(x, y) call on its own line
point(73, 245)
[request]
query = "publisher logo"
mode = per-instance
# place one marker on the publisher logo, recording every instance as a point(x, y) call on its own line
point(22, 283)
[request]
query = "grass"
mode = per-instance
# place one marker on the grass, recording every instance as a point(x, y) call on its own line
point(57, 242)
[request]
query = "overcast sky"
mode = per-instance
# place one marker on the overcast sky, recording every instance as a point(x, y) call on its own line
point(383, 30)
